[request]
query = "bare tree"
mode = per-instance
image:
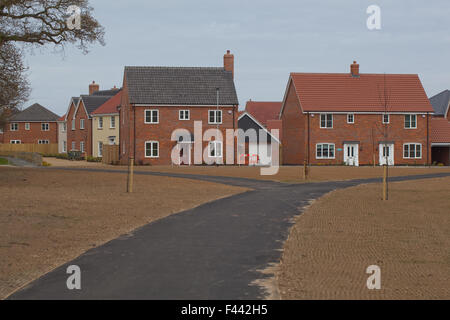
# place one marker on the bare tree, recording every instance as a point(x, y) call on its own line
point(37, 23)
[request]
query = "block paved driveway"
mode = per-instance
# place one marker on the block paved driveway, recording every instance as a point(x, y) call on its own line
point(214, 251)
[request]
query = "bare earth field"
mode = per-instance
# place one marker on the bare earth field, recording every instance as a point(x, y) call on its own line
point(291, 174)
point(341, 234)
point(50, 217)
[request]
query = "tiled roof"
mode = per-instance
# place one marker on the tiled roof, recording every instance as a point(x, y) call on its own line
point(62, 118)
point(440, 102)
point(440, 130)
point(263, 111)
point(343, 92)
point(109, 106)
point(36, 112)
point(180, 86)
point(92, 103)
point(108, 93)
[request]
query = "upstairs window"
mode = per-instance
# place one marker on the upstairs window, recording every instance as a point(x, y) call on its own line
point(14, 127)
point(350, 118)
point(152, 116)
point(27, 126)
point(215, 117)
point(82, 124)
point(326, 120)
point(45, 127)
point(43, 142)
point(184, 115)
point(113, 122)
point(410, 121)
point(73, 124)
point(386, 119)
point(64, 127)
point(100, 122)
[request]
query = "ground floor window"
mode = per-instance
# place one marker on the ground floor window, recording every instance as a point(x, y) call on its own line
point(412, 151)
point(73, 145)
point(82, 146)
point(152, 149)
point(325, 151)
point(43, 142)
point(215, 149)
point(15, 142)
point(64, 149)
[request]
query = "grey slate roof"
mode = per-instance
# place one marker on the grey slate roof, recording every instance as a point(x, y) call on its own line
point(92, 103)
point(36, 112)
point(440, 102)
point(180, 86)
point(111, 92)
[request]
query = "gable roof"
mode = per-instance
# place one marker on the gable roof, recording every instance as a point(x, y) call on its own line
point(35, 113)
point(335, 92)
point(92, 103)
point(246, 114)
point(180, 86)
point(440, 130)
point(110, 106)
point(263, 110)
point(441, 102)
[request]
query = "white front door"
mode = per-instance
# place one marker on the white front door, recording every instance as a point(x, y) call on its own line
point(351, 156)
point(387, 154)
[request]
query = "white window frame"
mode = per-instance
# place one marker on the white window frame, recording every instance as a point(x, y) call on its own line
point(151, 116)
point(100, 123)
point(27, 126)
point(64, 127)
point(353, 118)
point(74, 124)
point(43, 142)
point(82, 146)
point(328, 144)
point(82, 124)
point(14, 127)
point(326, 120)
point(415, 144)
point(100, 149)
point(64, 148)
point(15, 142)
point(45, 127)
point(151, 149)
point(112, 122)
point(388, 118)
point(216, 113)
point(216, 143)
point(74, 145)
point(1, 130)
point(184, 115)
point(410, 121)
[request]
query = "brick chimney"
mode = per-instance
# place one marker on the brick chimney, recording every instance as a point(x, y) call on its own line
point(93, 87)
point(354, 69)
point(228, 62)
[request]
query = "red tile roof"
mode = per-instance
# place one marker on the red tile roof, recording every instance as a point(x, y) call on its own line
point(109, 106)
point(343, 92)
point(440, 130)
point(62, 118)
point(263, 111)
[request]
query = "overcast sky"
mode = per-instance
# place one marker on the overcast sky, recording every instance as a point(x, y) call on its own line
point(269, 39)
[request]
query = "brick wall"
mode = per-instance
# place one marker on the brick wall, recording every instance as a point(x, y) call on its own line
point(33, 135)
point(78, 135)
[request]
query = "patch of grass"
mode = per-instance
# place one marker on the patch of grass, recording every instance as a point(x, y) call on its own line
point(3, 162)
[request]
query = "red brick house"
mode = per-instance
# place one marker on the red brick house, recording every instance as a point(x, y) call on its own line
point(356, 119)
point(440, 128)
point(34, 125)
point(260, 115)
point(79, 118)
point(158, 100)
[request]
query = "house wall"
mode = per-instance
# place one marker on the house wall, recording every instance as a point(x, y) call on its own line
point(33, 135)
point(78, 134)
point(62, 138)
point(102, 135)
point(293, 130)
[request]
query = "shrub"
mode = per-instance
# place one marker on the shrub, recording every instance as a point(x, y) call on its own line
point(93, 159)
point(75, 155)
point(46, 164)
